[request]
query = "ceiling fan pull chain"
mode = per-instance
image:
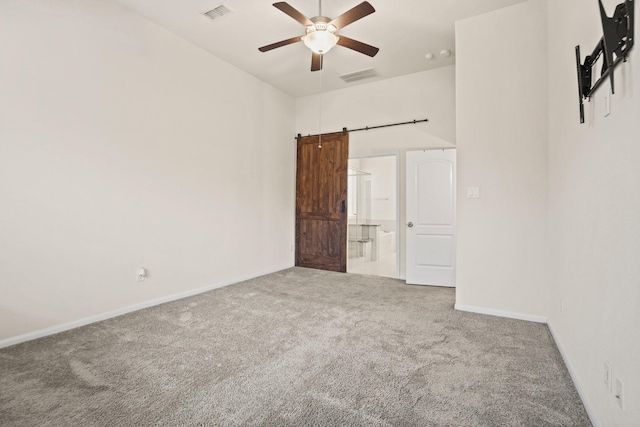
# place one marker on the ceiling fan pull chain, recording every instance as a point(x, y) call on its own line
point(320, 114)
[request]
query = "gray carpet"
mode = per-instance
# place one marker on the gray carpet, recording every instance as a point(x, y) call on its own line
point(300, 347)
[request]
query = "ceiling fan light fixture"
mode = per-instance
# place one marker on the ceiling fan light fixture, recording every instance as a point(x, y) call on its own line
point(320, 41)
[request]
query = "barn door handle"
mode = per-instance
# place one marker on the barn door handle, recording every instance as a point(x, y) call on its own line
point(343, 206)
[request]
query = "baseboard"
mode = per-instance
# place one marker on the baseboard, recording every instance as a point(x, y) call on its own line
point(119, 312)
point(583, 396)
point(500, 313)
point(539, 319)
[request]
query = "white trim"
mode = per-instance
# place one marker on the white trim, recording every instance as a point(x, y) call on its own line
point(500, 313)
point(119, 312)
point(583, 396)
point(539, 319)
point(398, 197)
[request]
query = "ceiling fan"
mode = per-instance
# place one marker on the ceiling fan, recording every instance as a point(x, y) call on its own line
point(321, 31)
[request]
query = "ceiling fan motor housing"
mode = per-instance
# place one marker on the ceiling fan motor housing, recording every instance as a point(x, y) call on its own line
point(321, 23)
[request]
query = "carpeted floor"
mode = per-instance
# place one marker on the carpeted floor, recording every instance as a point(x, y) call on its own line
point(300, 347)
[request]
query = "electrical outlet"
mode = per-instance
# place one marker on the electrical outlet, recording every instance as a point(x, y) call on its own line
point(620, 393)
point(142, 274)
point(473, 192)
point(607, 376)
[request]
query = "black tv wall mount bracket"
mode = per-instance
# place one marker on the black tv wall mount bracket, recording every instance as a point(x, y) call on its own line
point(617, 39)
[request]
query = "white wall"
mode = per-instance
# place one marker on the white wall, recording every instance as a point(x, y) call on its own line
point(594, 216)
point(501, 80)
point(428, 94)
point(123, 146)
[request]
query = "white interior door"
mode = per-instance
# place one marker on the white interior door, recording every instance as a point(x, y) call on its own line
point(431, 216)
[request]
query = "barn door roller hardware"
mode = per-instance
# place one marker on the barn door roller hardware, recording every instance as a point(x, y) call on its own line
point(617, 39)
point(345, 130)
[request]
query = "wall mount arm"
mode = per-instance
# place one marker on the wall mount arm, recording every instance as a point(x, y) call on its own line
point(617, 39)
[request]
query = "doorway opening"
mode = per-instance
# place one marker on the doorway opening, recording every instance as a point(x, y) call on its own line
point(372, 215)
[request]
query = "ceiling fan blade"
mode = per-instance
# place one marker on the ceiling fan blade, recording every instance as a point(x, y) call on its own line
point(360, 11)
point(280, 44)
point(358, 46)
point(292, 12)
point(316, 61)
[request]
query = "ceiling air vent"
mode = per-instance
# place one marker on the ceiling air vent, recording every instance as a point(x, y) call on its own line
point(219, 12)
point(359, 75)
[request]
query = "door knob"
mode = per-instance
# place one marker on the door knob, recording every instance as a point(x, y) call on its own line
point(410, 224)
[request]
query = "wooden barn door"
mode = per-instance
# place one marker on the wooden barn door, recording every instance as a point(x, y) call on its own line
point(321, 202)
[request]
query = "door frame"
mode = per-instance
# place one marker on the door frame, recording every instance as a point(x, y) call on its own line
point(395, 153)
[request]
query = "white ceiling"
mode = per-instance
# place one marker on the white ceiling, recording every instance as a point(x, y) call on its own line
point(404, 30)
